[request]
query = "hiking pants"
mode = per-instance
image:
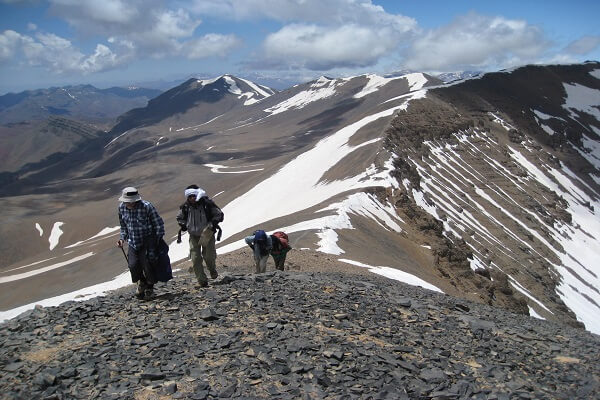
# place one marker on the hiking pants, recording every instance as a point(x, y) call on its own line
point(261, 263)
point(279, 259)
point(140, 268)
point(203, 251)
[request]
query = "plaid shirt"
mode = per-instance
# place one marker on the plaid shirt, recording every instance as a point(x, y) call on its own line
point(140, 223)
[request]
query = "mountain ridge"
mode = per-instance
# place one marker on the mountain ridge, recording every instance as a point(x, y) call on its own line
point(83, 102)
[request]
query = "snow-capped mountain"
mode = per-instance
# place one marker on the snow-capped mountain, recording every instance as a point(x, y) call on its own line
point(485, 189)
point(458, 75)
point(216, 96)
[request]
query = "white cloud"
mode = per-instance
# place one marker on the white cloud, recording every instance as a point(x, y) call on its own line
point(102, 59)
point(9, 42)
point(55, 53)
point(175, 24)
point(319, 34)
point(143, 26)
point(321, 48)
point(210, 45)
point(474, 41)
point(583, 45)
point(20, 2)
point(134, 29)
point(88, 13)
point(325, 12)
point(52, 51)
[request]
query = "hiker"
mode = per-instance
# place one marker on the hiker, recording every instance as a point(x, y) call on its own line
point(200, 217)
point(143, 229)
point(276, 245)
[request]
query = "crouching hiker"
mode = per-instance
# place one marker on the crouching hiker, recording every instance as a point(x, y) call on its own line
point(200, 217)
point(142, 228)
point(277, 245)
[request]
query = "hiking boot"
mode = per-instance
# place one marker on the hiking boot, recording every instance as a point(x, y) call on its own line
point(139, 292)
point(214, 275)
point(201, 285)
point(148, 293)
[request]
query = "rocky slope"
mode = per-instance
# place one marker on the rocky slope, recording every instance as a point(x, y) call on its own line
point(495, 173)
point(307, 332)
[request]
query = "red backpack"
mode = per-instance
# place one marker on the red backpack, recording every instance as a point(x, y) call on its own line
point(283, 239)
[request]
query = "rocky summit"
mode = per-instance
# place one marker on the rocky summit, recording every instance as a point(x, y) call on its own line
point(290, 335)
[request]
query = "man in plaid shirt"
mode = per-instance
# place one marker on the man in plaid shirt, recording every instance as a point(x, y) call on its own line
point(142, 228)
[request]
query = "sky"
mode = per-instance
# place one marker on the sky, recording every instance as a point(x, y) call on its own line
point(47, 43)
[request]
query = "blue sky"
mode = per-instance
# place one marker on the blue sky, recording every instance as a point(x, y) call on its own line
point(47, 43)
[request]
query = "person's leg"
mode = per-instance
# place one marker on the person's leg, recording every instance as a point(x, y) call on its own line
point(135, 268)
point(196, 256)
point(209, 252)
point(148, 275)
point(261, 265)
point(279, 260)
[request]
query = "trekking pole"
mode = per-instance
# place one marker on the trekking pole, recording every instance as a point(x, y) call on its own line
point(125, 255)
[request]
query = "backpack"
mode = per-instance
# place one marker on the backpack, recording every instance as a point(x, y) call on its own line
point(284, 241)
point(213, 213)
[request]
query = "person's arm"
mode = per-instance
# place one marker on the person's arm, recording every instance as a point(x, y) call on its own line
point(123, 235)
point(182, 218)
point(157, 222)
point(250, 241)
point(213, 212)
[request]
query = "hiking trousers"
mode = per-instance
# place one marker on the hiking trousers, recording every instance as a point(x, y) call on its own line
point(279, 259)
point(261, 263)
point(140, 268)
point(203, 251)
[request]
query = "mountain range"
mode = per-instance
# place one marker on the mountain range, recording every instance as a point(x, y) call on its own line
point(82, 102)
point(484, 188)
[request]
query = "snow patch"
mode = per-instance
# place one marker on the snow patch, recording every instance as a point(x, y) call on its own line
point(582, 98)
point(55, 234)
point(217, 169)
point(16, 277)
point(395, 274)
point(103, 232)
point(321, 89)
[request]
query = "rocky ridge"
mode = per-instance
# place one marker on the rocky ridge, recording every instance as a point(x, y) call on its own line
point(456, 147)
point(293, 334)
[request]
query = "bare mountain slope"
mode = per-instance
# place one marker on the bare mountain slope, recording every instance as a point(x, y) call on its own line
point(458, 186)
point(505, 171)
point(81, 102)
point(214, 96)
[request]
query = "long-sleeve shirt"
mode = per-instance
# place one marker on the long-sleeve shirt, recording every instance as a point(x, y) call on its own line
point(140, 223)
point(194, 218)
point(257, 254)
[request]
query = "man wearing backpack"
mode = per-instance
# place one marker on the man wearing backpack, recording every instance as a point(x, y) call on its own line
point(262, 244)
point(200, 217)
point(142, 228)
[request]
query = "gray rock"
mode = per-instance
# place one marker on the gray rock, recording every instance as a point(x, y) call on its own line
point(208, 314)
